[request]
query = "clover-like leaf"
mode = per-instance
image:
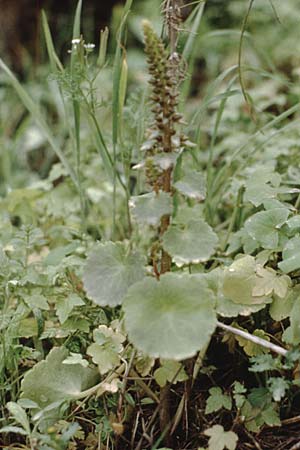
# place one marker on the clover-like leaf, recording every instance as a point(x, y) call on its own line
point(217, 400)
point(172, 371)
point(104, 356)
point(192, 185)
point(144, 364)
point(148, 209)
point(221, 439)
point(109, 272)
point(172, 318)
point(264, 226)
point(291, 256)
point(50, 380)
point(264, 362)
point(190, 244)
point(106, 348)
point(187, 213)
point(249, 347)
point(239, 392)
point(278, 387)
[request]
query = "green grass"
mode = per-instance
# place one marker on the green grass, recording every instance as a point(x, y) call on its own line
point(73, 173)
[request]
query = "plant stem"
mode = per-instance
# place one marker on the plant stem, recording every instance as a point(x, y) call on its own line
point(255, 339)
point(233, 218)
point(172, 18)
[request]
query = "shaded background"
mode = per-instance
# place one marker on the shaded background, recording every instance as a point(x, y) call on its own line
point(20, 25)
point(20, 30)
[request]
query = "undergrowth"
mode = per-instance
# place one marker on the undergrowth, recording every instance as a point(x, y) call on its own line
point(149, 257)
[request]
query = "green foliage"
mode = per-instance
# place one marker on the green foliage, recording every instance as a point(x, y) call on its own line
point(156, 314)
point(191, 243)
point(217, 400)
point(264, 226)
point(192, 185)
point(170, 371)
point(197, 221)
point(110, 270)
point(148, 209)
point(106, 349)
point(219, 439)
point(290, 256)
point(52, 382)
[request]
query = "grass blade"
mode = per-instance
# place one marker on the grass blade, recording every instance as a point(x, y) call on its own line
point(54, 60)
point(193, 32)
point(36, 115)
point(118, 86)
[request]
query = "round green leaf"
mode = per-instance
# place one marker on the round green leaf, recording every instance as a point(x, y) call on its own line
point(192, 244)
point(172, 318)
point(50, 380)
point(291, 256)
point(264, 226)
point(192, 185)
point(149, 208)
point(109, 272)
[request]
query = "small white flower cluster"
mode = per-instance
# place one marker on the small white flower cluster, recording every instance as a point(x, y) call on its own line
point(89, 46)
point(75, 42)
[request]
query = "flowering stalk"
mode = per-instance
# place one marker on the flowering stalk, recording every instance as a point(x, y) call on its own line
point(165, 141)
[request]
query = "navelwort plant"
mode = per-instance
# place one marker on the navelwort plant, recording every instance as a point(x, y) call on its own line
point(158, 307)
point(174, 278)
point(171, 312)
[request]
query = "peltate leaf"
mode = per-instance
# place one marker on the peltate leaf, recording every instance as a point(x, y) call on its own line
point(50, 381)
point(149, 208)
point(190, 244)
point(109, 272)
point(291, 256)
point(172, 318)
point(294, 223)
point(192, 185)
point(257, 185)
point(264, 226)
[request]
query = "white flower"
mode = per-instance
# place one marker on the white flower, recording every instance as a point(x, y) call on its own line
point(89, 46)
point(75, 41)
